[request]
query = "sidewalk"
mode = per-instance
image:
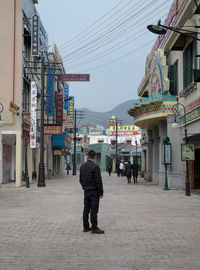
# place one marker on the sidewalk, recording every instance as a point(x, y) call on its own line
point(146, 228)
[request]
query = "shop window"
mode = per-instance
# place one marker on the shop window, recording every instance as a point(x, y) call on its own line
point(189, 64)
point(173, 77)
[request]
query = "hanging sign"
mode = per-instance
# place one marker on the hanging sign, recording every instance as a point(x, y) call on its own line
point(35, 48)
point(74, 77)
point(33, 116)
point(50, 92)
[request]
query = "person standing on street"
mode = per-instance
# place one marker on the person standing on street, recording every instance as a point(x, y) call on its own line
point(128, 172)
point(109, 168)
point(91, 182)
point(135, 171)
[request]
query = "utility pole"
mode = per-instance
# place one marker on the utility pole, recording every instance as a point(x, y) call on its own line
point(115, 121)
point(77, 115)
point(41, 177)
point(74, 160)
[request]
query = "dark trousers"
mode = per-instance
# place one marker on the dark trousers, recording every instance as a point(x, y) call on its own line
point(91, 206)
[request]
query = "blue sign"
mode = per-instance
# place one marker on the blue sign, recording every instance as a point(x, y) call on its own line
point(59, 140)
point(50, 92)
point(66, 96)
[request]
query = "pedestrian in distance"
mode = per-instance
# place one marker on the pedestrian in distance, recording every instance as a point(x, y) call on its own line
point(117, 168)
point(109, 168)
point(91, 182)
point(128, 172)
point(121, 167)
point(135, 171)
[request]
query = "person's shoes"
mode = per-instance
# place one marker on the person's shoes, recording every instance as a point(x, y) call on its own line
point(86, 229)
point(97, 230)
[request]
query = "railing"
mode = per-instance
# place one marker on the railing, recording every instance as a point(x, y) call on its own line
point(153, 99)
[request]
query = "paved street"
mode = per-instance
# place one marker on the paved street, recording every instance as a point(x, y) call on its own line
point(146, 228)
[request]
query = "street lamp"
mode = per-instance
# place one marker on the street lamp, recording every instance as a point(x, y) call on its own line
point(175, 124)
point(161, 29)
point(136, 150)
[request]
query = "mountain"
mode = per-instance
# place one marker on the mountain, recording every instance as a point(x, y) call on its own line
point(103, 118)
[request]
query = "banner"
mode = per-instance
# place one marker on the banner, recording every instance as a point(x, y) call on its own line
point(50, 92)
point(33, 115)
point(35, 33)
point(66, 96)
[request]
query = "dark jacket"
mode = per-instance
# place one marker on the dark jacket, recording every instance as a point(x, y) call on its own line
point(90, 177)
point(135, 169)
point(128, 170)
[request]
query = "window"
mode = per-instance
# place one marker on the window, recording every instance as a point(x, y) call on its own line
point(188, 64)
point(173, 77)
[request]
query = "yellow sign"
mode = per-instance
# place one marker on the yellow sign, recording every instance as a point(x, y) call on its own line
point(13, 108)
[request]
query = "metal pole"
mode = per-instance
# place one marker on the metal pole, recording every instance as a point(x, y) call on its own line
point(41, 177)
point(26, 165)
point(166, 180)
point(187, 180)
point(116, 146)
point(74, 161)
point(136, 151)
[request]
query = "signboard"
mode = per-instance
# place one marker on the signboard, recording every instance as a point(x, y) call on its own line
point(187, 152)
point(57, 152)
point(33, 115)
point(166, 154)
point(74, 77)
point(35, 33)
point(71, 110)
point(13, 108)
point(66, 95)
point(59, 108)
point(50, 92)
point(125, 133)
point(52, 129)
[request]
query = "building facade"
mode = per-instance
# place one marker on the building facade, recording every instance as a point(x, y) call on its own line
point(167, 91)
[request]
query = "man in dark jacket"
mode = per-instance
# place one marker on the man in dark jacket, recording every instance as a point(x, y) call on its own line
point(91, 182)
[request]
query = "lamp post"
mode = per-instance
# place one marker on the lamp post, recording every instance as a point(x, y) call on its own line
point(136, 151)
point(175, 125)
point(26, 177)
point(161, 29)
point(41, 177)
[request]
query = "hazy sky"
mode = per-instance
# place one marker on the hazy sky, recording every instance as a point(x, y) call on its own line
point(122, 26)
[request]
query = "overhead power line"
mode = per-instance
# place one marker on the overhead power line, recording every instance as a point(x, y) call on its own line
point(90, 26)
point(112, 48)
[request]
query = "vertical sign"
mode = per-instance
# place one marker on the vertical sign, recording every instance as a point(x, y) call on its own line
point(59, 108)
point(33, 122)
point(71, 109)
point(66, 96)
point(35, 35)
point(50, 92)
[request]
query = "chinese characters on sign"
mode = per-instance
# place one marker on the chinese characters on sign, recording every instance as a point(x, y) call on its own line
point(35, 35)
point(59, 108)
point(71, 109)
point(33, 122)
point(166, 154)
point(75, 77)
point(50, 92)
point(187, 152)
point(52, 129)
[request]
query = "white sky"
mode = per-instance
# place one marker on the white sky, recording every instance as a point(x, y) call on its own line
point(113, 83)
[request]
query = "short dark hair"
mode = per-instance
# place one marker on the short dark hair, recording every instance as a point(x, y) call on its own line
point(91, 154)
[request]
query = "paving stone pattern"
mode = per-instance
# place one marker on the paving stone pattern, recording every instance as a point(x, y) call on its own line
point(146, 228)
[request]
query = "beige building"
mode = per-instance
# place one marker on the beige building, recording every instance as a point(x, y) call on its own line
point(169, 77)
point(18, 70)
point(11, 90)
